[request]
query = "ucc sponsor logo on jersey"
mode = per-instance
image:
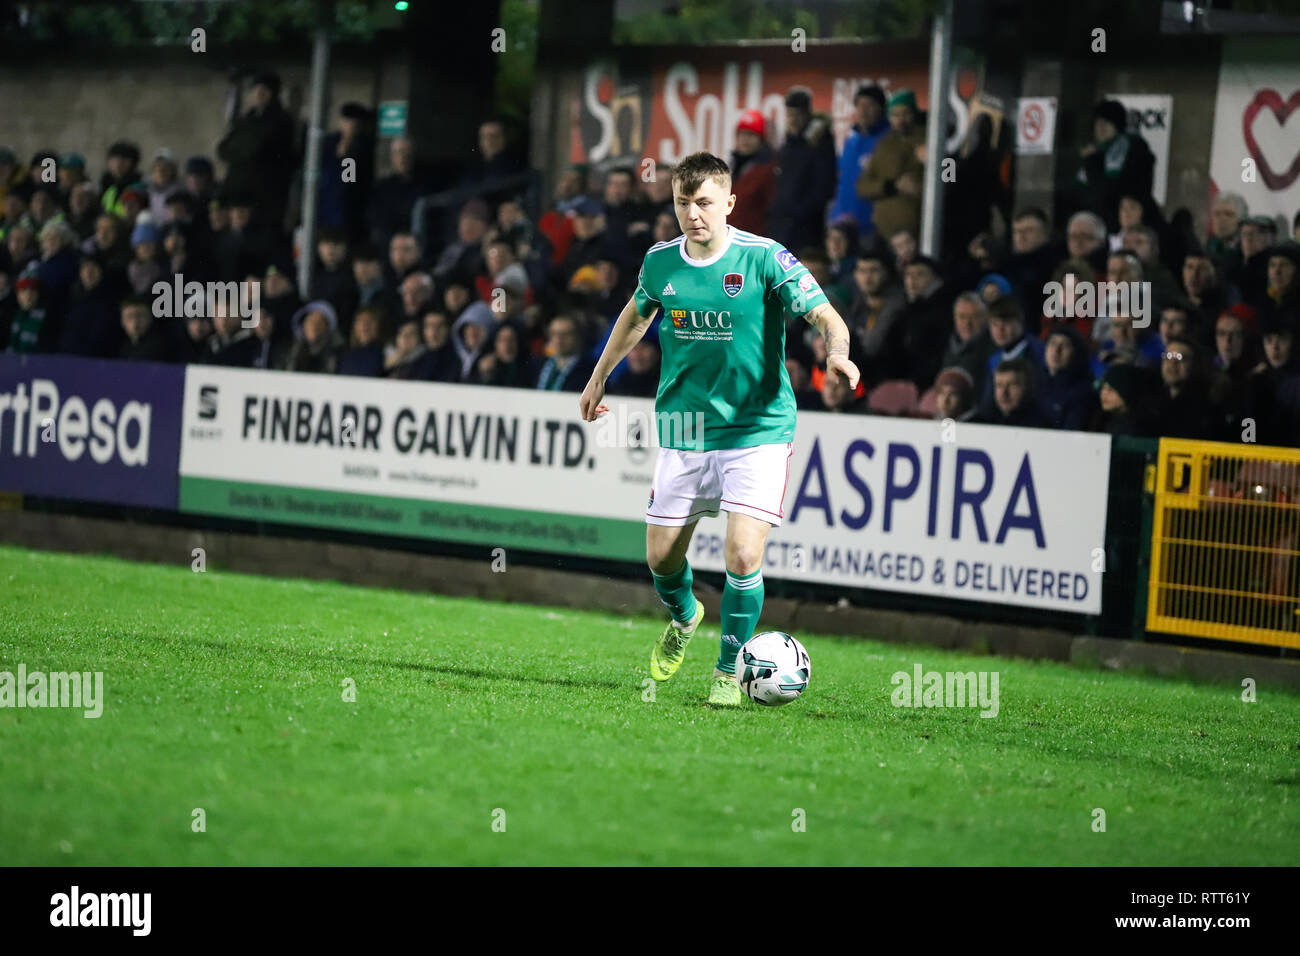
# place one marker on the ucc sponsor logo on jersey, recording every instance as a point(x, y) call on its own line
point(700, 318)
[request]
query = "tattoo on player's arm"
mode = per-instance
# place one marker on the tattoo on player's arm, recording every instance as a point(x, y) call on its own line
point(835, 333)
point(816, 316)
point(837, 344)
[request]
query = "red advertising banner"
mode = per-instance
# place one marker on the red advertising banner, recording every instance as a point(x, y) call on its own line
point(664, 103)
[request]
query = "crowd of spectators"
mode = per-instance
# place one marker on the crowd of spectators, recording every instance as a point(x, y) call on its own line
point(490, 296)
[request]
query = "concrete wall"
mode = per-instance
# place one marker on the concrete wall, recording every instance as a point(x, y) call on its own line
point(163, 98)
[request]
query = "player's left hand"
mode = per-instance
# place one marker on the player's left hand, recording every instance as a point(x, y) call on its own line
point(590, 405)
point(845, 368)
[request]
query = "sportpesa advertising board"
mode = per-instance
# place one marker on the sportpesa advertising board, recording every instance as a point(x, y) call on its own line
point(99, 431)
point(1003, 515)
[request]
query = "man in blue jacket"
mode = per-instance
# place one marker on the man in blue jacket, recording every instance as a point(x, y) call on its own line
point(869, 124)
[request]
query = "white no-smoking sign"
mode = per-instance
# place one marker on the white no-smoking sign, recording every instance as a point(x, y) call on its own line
point(1035, 124)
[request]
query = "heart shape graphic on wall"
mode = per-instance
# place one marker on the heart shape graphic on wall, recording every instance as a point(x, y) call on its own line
point(1270, 98)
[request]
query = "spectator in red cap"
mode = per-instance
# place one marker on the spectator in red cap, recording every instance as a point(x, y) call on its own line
point(134, 200)
point(753, 174)
point(29, 332)
point(954, 395)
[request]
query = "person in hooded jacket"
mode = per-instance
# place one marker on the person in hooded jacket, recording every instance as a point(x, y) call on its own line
point(317, 344)
point(1065, 393)
point(470, 335)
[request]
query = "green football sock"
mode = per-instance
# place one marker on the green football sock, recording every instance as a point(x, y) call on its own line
point(742, 603)
point(675, 592)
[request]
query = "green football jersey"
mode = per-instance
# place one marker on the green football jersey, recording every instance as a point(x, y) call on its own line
point(722, 380)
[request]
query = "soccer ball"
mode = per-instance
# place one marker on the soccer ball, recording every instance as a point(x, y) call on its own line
point(773, 668)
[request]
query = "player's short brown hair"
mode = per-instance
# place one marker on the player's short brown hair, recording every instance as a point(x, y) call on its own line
point(692, 171)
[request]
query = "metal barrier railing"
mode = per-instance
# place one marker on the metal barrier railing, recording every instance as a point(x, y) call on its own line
point(1225, 543)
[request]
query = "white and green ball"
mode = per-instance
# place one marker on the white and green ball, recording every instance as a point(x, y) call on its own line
point(773, 668)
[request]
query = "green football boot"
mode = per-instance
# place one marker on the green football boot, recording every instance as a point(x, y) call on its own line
point(724, 691)
point(670, 650)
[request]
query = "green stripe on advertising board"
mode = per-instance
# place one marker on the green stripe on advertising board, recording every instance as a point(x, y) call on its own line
point(611, 538)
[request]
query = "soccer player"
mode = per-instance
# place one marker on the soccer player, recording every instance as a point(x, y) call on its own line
point(725, 411)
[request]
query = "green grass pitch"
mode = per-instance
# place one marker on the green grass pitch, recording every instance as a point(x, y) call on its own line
point(225, 692)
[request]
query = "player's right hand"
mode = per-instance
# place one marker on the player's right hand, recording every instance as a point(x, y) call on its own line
point(589, 405)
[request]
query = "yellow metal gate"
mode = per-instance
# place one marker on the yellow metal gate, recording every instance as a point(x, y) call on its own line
point(1225, 543)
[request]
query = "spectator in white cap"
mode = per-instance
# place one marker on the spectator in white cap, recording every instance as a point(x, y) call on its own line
point(163, 181)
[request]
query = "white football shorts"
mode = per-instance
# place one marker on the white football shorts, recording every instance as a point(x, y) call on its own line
point(689, 485)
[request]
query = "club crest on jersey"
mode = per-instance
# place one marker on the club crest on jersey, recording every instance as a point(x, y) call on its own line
point(786, 259)
point(679, 318)
point(732, 283)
